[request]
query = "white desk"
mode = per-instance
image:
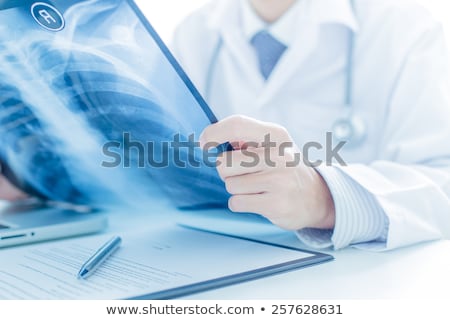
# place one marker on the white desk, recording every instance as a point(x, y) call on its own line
point(420, 271)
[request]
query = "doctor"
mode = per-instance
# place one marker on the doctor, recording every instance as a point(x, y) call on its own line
point(373, 73)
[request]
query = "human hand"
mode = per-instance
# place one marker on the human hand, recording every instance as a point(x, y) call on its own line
point(269, 177)
point(9, 192)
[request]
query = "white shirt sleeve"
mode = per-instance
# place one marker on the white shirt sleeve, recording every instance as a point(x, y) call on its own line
point(410, 178)
point(359, 217)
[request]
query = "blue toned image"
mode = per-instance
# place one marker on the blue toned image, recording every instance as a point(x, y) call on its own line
point(95, 111)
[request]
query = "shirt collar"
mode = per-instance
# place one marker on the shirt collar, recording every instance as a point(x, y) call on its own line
point(281, 29)
point(240, 14)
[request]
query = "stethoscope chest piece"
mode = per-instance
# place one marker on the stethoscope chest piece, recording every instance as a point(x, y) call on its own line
point(352, 130)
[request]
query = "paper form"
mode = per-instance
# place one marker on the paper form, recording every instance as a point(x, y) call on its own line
point(146, 263)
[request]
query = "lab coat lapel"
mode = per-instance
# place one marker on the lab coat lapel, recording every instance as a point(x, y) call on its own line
point(226, 21)
point(291, 61)
point(242, 53)
point(315, 14)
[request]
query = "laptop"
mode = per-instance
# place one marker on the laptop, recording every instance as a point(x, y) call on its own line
point(96, 112)
point(33, 221)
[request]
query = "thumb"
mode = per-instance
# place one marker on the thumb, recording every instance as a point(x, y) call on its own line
point(243, 130)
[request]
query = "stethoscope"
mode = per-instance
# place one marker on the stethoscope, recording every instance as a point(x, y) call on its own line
point(350, 128)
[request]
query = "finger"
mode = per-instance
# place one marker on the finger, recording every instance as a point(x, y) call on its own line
point(249, 161)
point(241, 162)
point(272, 207)
point(255, 203)
point(242, 129)
point(249, 184)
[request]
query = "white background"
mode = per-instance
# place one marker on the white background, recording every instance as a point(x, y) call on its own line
point(165, 15)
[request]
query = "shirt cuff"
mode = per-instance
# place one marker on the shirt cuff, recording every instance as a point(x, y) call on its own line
point(360, 220)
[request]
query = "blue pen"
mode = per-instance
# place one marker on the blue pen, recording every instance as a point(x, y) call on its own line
point(99, 257)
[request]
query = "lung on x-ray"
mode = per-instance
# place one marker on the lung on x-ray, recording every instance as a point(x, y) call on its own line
point(94, 110)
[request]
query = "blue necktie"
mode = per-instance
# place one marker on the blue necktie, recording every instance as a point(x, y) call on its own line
point(269, 51)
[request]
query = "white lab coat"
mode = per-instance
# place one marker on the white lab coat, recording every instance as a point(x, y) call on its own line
point(401, 89)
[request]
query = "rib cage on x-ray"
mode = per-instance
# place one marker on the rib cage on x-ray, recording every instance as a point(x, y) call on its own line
point(105, 102)
point(26, 143)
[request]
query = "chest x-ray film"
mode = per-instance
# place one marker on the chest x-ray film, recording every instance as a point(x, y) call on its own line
point(94, 109)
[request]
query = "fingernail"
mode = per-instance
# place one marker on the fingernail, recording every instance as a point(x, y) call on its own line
point(230, 204)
